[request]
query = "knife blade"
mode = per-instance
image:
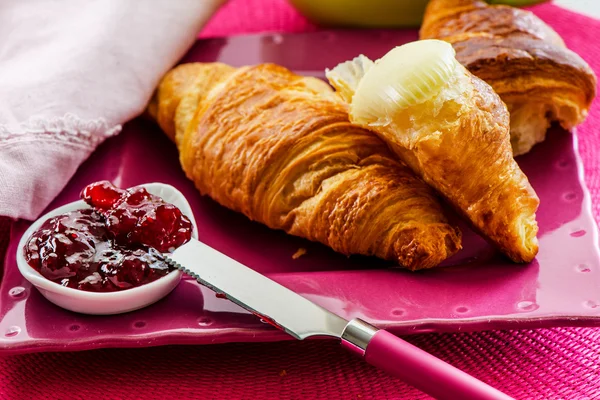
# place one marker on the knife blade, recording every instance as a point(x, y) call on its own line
point(301, 318)
point(256, 293)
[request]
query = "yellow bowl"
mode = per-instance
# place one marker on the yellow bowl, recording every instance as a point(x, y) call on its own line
point(373, 13)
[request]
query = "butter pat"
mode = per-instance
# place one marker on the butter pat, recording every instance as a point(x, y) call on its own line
point(406, 76)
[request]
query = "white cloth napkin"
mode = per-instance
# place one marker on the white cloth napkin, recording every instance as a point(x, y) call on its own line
point(71, 72)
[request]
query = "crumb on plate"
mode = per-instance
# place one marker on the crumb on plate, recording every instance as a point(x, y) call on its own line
point(299, 253)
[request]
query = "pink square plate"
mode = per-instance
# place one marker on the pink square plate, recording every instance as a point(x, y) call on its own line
point(478, 290)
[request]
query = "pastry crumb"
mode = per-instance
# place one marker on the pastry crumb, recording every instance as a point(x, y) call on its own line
point(283, 372)
point(299, 253)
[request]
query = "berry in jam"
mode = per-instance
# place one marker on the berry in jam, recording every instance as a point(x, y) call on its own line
point(114, 246)
point(136, 216)
point(75, 250)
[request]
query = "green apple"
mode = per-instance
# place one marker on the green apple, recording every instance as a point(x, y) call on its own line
point(374, 13)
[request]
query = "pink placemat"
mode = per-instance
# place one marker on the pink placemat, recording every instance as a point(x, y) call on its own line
point(542, 364)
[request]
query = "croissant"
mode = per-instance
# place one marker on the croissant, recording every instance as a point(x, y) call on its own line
point(452, 130)
point(279, 148)
point(522, 58)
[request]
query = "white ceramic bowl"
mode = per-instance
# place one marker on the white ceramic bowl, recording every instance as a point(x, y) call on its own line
point(110, 302)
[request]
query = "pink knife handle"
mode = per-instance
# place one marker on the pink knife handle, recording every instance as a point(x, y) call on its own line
point(419, 368)
point(424, 371)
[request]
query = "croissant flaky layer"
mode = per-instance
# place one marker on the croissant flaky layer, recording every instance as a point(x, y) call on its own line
point(279, 148)
point(452, 130)
point(522, 58)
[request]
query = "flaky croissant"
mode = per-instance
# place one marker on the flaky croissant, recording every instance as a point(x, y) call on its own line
point(451, 129)
point(279, 148)
point(522, 58)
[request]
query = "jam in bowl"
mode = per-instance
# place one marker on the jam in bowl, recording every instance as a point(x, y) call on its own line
point(104, 255)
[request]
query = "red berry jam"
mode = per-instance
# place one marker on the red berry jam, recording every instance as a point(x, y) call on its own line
point(115, 246)
point(136, 216)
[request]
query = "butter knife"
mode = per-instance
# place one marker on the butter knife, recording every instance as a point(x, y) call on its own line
point(302, 319)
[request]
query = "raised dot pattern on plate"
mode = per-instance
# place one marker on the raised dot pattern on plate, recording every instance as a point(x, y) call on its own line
point(563, 164)
point(277, 39)
point(592, 303)
point(570, 196)
point(204, 321)
point(583, 268)
point(578, 233)
point(17, 291)
point(527, 305)
point(12, 331)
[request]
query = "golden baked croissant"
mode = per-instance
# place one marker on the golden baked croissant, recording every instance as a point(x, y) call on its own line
point(452, 130)
point(522, 58)
point(279, 148)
